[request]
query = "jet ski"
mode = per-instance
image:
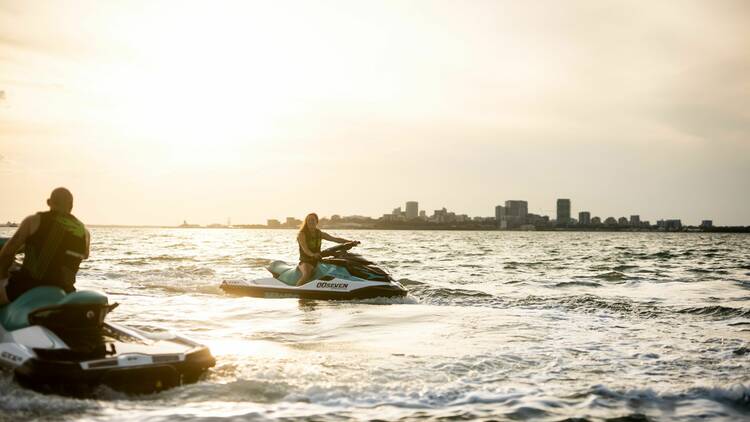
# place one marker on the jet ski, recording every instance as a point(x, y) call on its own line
point(340, 275)
point(54, 342)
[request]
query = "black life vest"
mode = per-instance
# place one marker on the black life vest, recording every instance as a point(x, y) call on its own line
point(54, 251)
point(312, 241)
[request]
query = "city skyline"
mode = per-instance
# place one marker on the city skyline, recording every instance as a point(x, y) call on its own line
point(515, 208)
point(574, 214)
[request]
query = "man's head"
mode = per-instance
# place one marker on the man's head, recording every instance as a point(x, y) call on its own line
point(60, 200)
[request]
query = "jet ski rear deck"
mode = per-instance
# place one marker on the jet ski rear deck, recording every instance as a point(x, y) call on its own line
point(58, 343)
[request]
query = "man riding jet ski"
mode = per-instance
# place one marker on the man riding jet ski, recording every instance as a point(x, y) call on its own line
point(55, 338)
point(338, 275)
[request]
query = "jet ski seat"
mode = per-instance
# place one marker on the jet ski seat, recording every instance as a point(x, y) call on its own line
point(289, 274)
point(15, 315)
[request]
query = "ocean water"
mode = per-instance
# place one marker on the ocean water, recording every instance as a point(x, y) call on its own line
point(497, 325)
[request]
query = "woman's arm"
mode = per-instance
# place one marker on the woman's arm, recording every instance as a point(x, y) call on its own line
point(327, 236)
point(303, 245)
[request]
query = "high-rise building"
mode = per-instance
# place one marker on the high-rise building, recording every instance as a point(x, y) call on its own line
point(538, 221)
point(707, 224)
point(440, 216)
point(423, 215)
point(412, 210)
point(499, 212)
point(500, 217)
point(516, 212)
point(669, 225)
point(635, 221)
point(563, 211)
point(584, 218)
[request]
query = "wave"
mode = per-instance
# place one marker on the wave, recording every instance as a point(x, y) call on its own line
point(212, 289)
point(340, 401)
point(577, 284)
point(183, 271)
point(613, 276)
point(591, 303)
point(445, 292)
point(514, 264)
point(717, 311)
point(134, 262)
point(18, 403)
point(409, 282)
point(737, 396)
point(170, 258)
point(403, 300)
point(661, 255)
point(257, 262)
point(581, 303)
point(146, 260)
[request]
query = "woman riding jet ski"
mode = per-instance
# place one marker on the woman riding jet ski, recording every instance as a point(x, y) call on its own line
point(310, 238)
point(339, 275)
point(330, 274)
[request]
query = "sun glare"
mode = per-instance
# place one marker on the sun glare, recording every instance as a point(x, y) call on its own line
point(201, 91)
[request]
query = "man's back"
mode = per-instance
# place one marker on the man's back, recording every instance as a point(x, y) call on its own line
point(54, 243)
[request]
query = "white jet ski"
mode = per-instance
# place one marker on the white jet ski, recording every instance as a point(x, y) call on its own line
point(340, 275)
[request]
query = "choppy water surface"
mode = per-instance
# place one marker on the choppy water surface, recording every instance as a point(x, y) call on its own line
point(543, 326)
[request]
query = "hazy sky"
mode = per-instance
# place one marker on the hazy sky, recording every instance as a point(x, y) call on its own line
point(155, 112)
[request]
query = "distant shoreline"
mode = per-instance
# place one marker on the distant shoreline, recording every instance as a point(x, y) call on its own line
point(484, 228)
point(687, 229)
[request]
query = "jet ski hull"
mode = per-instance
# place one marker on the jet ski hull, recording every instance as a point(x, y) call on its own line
point(68, 378)
point(386, 290)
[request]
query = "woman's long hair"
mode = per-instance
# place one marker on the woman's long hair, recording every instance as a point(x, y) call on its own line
point(304, 228)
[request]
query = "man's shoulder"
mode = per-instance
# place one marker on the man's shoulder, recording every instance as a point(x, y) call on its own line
point(77, 220)
point(29, 225)
point(33, 218)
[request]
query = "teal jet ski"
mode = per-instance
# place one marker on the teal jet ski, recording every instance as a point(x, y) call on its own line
point(340, 275)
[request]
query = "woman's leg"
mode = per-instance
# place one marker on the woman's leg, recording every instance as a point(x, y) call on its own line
point(307, 270)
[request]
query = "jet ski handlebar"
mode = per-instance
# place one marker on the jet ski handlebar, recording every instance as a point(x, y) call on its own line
point(338, 249)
